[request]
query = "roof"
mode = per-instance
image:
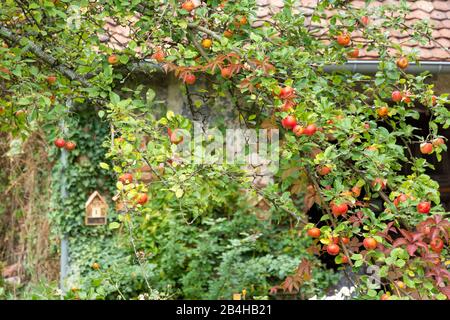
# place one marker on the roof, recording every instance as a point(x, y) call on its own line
point(436, 12)
point(93, 196)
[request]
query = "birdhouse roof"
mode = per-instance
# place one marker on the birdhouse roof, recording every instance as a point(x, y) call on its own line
point(94, 195)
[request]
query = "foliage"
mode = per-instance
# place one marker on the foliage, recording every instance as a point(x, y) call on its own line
point(224, 251)
point(80, 175)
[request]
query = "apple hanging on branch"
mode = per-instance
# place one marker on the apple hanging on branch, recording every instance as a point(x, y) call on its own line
point(60, 143)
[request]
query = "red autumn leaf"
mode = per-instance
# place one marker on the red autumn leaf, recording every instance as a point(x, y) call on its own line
point(446, 291)
point(385, 232)
point(438, 273)
point(310, 198)
point(412, 241)
point(357, 219)
point(431, 257)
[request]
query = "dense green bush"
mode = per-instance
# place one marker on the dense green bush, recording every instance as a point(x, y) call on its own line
point(223, 252)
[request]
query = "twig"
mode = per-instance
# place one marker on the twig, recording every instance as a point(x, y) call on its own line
point(205, 30)
point(197, 46)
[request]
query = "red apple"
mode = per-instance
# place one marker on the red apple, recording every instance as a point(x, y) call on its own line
point(396, 96)
point(438, 141)
point(159, 56)
point(343, 39)
point(356, 191)
point(69, 146)
point(113, 59)
point(289, 122)
point(437, 244)
point(51, 79)
point(228, 33)
point(314, 232)
point(344, 259)
point(286, 92)
point(424, 207)
point(126, 178)
point(60, 143)
point(354, 53)
point(188, 6)
point(338, 209)
point(333, 249)
point(142, 198)
point(310, 130)
point(323, 170)
point(406, 97)
point(426, 148)
point(370, 243)
point(365, 20)
point(190, 79)
point(226, 72)
point(433, 100)
point(401, 198)
point(298, 130)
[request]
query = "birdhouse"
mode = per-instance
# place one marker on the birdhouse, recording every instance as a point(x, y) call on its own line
point(96, 210)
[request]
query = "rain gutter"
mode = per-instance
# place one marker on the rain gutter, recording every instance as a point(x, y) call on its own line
point(371, 66)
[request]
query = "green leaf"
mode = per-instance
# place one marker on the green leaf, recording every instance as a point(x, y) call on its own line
point(150, 95)
point(179, 193)
point(255, 37)
point(357, 256)
point(358, 263)
point(170, 115)
point(114, 98)
point(372, 293)
point(400, 263)
point(183, 24)
point(189, 54)
point(104, 166)
point(124, 59)
point(441, 296)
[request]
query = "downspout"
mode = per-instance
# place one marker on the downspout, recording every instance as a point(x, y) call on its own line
point(64, 241)
point(371, 66)
point(64, 258)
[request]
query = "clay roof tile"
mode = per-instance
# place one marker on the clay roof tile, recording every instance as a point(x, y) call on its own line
point(436, 12)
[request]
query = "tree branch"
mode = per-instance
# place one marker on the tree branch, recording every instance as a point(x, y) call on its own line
point(198, 46)
point(205, 30)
